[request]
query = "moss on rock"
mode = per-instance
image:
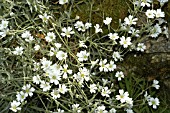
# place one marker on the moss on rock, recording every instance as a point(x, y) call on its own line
point(117, 9)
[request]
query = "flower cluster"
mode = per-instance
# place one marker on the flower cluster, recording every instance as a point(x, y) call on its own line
point(44, 17)
point(107, 67)
point(82, 27)
point(154, 102)
point(27, 90)
point(27, 36)
point(76, 66)
point(124, 98)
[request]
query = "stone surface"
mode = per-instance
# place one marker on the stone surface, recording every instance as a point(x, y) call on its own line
point(153, 64)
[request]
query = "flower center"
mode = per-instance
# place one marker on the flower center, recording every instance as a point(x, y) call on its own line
point(27, 90)
point(153, 103)
point(82, 75)
point(121, 96)
point(54, 77)
point(65, 70)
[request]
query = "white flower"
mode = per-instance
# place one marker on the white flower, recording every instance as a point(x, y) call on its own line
point(129, 101)
point(116, 55)
point(97, 28)
point(130, 20)
point(146, 2)
point(43, 59)
point(18, 51)
point(93, 88)
point(123, 96)
point(113, 36)
point(78, 25)
point(141, 47)
point(3, 25)
point(147, 97)
point(103, 66)
point(88, 25)
point(119, 75)
point(123, 27)
point(162, 2)
point(55, 94)
point(26, 34)
point(29, 39)
point(159, 13)
point(62, 88)
point(37, 47)
point(134, 32)
point(53, 51)
point(45, 64)
point(93, 63)
point(4, 33)
point(55, 77)
point(166, 32)
point(28, 90)
point(36, 66)
point(155, 84)
point(83, 55)
point(82, 75)
point(56, 67)
point(161, 21)
point(113, 110)
point(61, 55)
point(137, 3)
point(63, 2)
point(82, 44)
point(15, 106)
point(77, 17)
point(107, 21)
point(125, 41)
point(12, 14)
point(45, 86)
point(153, 102)
point(150, 13)
point(21, 96)
point(59, 111)
point(50, 37)
point(156, 30)
point(67, 32)
point(57, 45)
point(36, 79)
point(111, 66)
point(44, 17)
point(64, 71)
point(105, 81)
point(76, 108)
point(129, 111)
point(101, 109)
point(105, 92)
